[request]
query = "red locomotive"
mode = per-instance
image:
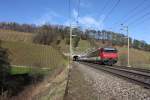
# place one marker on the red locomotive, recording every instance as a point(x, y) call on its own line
point(108, 56)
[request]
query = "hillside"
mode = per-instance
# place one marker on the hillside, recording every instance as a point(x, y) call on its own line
point(32, 65)
point(23, 52)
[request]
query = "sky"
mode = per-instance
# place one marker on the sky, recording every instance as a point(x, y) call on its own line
point(97, 14)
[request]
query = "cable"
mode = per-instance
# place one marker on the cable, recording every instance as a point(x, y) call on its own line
point(111, 10)
point(137, 19)
point(105, 5)
point(140, 10)
point(139, 23)
point(131, 11)
point(69, 10)
point(127, 18)
point(78, 12)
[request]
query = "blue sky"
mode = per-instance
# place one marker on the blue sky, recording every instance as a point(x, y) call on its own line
point(92, 14)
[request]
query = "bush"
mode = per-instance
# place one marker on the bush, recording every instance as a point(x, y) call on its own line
point(4, 67)
point(45, 36)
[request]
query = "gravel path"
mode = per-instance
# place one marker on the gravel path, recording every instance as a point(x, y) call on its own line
point(109, 87)
point(78, 87)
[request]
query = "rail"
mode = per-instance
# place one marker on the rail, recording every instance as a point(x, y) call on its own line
point(137, 75)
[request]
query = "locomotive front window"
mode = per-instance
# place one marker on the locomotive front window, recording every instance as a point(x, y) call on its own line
point(111, 51)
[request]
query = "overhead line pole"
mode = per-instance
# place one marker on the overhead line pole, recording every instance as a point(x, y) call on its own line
point(127, 30)
point(70, 46)
point(128, 47)
point(71, 49)
point(70, 41)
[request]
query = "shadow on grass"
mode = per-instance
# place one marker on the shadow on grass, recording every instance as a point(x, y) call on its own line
point(14, 84)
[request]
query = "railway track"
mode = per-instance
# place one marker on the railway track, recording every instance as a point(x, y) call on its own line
point(139, 76)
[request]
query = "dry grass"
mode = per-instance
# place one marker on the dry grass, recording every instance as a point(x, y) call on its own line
point(52, 88)
point(63, 47)
point(138, 58)
point(9, 35)
point(55, 89)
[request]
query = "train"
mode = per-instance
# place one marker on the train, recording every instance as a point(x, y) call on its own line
point(106, 56)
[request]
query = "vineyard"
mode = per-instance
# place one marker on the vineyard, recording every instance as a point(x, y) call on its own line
point(33, 55)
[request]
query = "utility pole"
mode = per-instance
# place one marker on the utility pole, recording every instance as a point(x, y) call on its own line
point(127, 30)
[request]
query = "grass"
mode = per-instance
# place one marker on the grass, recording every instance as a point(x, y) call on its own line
point(20, 70)
point(15, 70)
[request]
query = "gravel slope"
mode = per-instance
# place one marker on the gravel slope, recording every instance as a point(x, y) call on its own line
point(105, 86)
